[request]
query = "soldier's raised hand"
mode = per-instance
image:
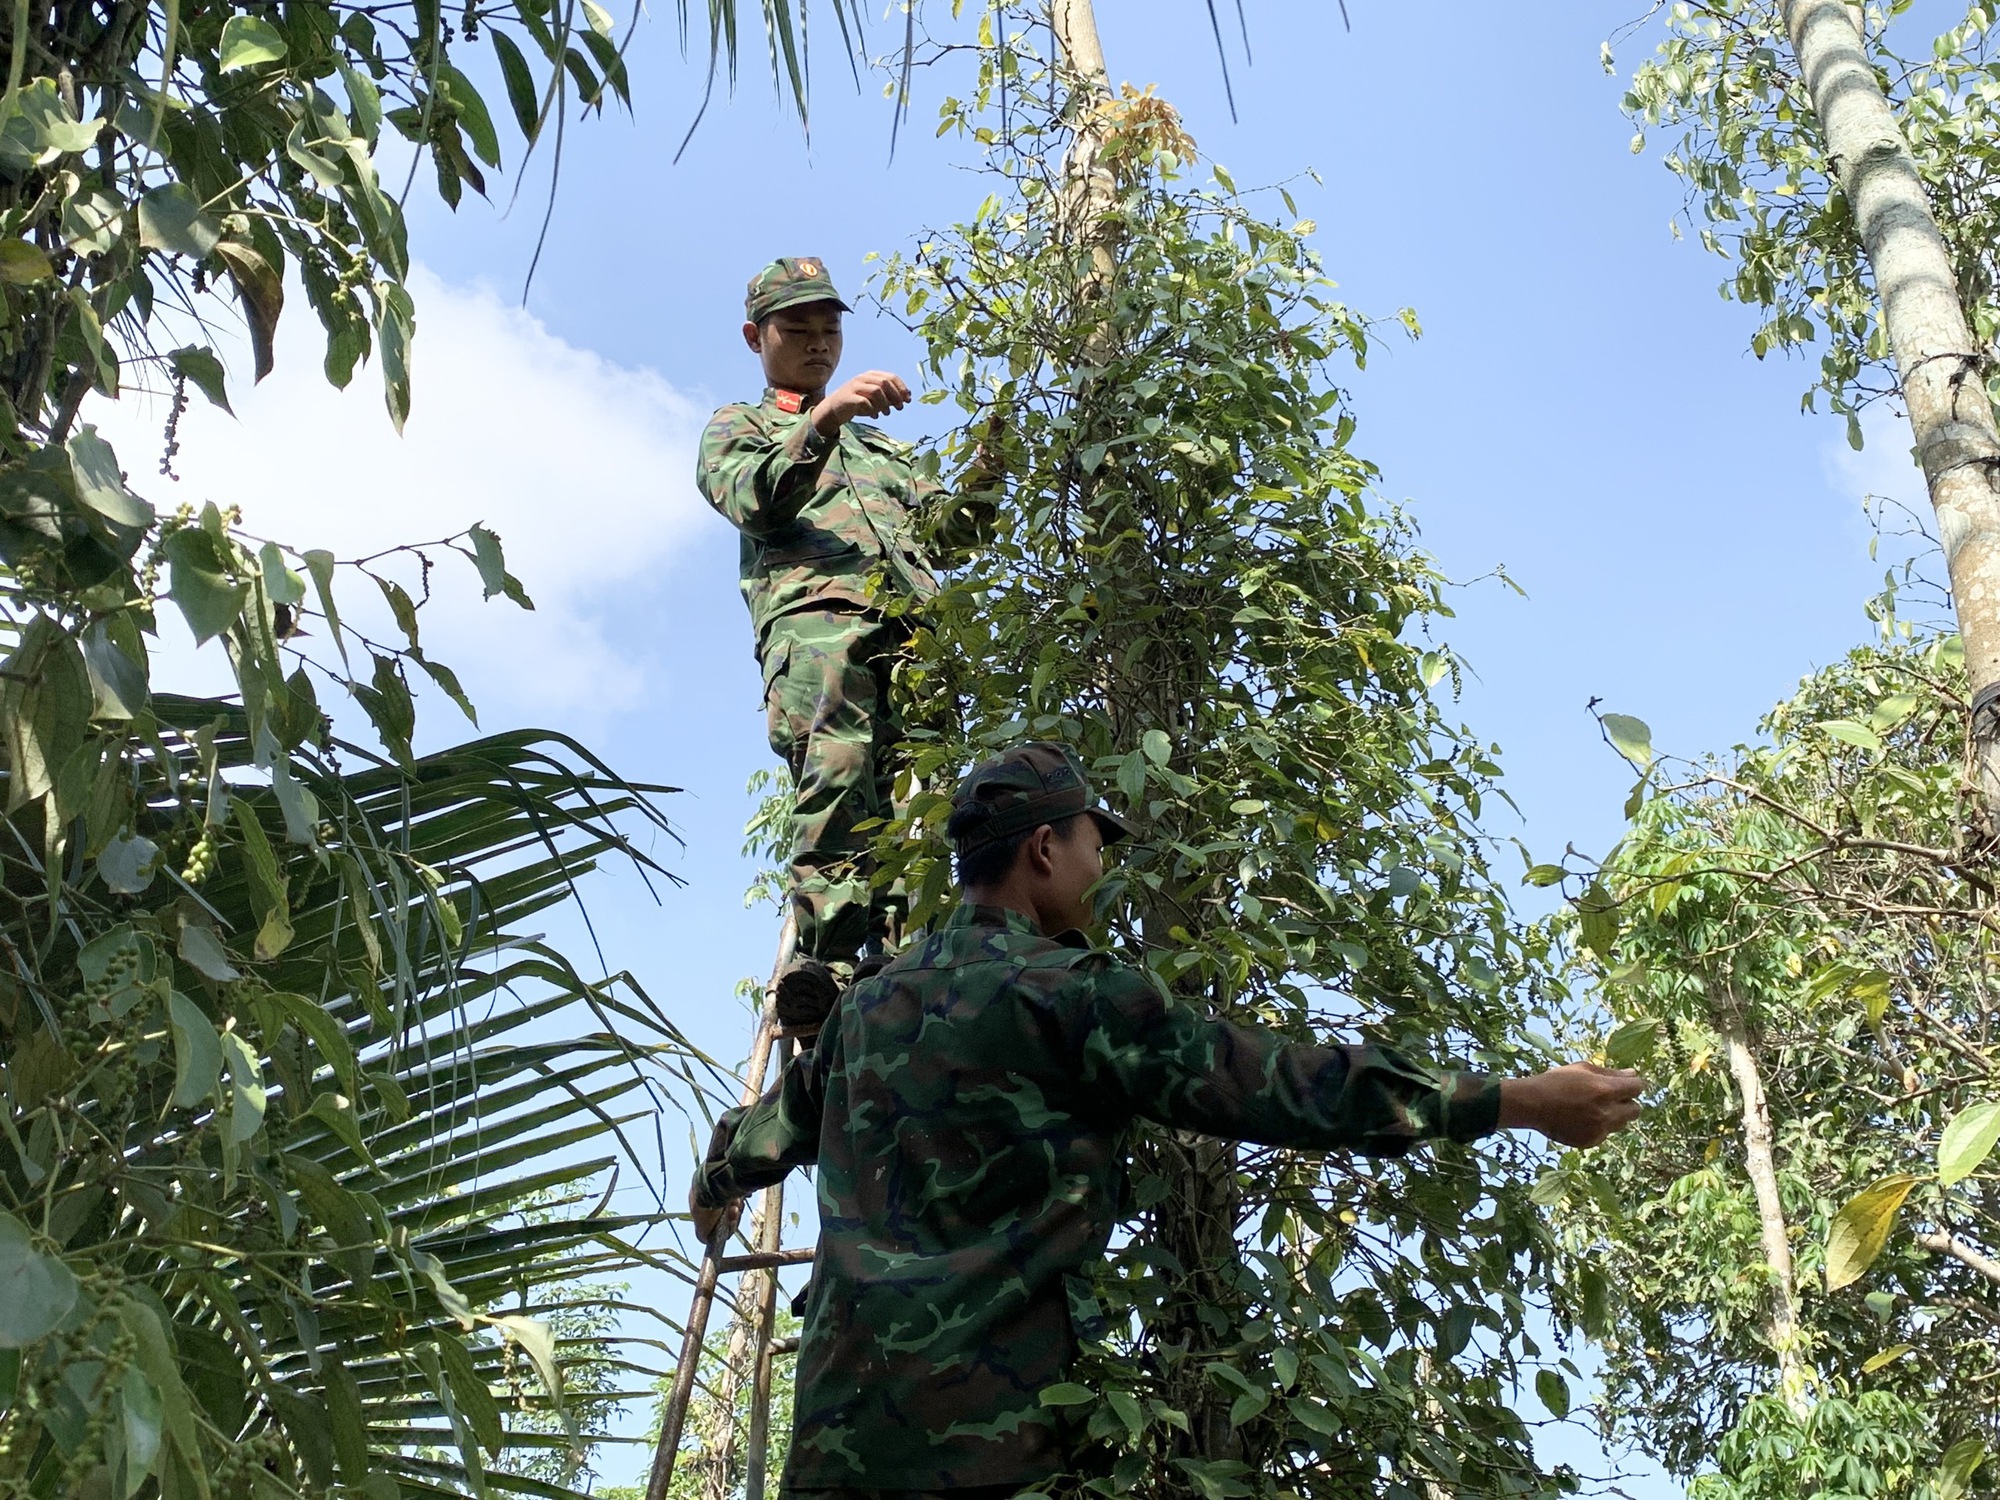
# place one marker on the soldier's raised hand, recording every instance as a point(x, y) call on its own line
point(869, 394)
point(1577, 1105)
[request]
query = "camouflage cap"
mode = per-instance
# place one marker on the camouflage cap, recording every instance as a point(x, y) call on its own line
point(1025, 787)
point(786, 282)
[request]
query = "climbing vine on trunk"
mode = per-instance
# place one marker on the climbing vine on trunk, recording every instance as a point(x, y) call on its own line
point(1189, 579)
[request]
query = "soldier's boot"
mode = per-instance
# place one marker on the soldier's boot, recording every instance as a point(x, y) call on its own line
point(805, 994)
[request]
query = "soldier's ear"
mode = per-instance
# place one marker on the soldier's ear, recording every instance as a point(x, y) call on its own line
point(1037, 851)
point(753, 335)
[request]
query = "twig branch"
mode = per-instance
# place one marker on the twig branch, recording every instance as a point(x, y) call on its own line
point(1964, 1254)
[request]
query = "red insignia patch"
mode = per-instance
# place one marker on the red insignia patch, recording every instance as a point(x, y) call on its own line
point(790, 402)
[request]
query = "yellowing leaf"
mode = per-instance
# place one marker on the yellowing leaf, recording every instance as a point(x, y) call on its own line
point(22, 263)
point(1888, 1356)
point(1861, 1229)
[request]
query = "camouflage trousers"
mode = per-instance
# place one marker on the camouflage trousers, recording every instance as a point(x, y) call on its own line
point(831, 718)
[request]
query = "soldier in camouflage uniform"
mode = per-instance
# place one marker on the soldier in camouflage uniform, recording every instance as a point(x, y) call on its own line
point(830, 562)
point(969, 1109)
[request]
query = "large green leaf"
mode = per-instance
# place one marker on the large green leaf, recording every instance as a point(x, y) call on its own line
point(202, 583)
point(45, 706)
point(1967, 1141)
point(248, 40)
point(37, 1290)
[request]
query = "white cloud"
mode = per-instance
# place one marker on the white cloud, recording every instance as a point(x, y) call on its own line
point(1884, 467)
point(1885, 478)
point(584, 468)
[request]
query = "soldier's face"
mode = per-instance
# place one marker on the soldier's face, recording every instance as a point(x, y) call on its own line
point(800, 346)
point(1075, 855)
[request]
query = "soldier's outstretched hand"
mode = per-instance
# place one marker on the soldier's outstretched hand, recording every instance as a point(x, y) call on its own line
point(869, 394)
point(1580, 1104)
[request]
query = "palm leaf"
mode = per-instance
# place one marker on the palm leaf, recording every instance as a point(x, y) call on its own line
point(400, 1160)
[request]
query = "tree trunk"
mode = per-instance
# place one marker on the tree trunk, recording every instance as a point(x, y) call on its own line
point(1090, 193)
point(1196, 1224)
point(1782, 1316)
point(1937, 358)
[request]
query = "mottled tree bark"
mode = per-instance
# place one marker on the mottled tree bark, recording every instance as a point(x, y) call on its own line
point(1964, 1254)
point(1938, 361)
point(1781, 1319)
point(1090, 193)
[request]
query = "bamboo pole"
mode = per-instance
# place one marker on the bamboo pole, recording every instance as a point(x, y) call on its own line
point(773, 1229)
point(674, 1420)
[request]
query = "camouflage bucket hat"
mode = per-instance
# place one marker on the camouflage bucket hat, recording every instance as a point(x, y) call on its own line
point(1028, 786)
point(787, 282)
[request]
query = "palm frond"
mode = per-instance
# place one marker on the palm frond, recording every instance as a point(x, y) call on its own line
point(356, 1172)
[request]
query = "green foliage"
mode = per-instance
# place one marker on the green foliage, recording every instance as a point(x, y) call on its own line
point(1859, 1449)
point(278, 1122)
point(282, 1072)
point(1760, 191)
point(153, 157)
point(1188, 580)
point(695, 1470)
point(1810, 897)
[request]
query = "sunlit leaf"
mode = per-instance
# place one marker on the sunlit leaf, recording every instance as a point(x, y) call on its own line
point(248, 40)
point(1861, 1229)
point(1967, 1142)
point(1954, 1472)
point(1884, 1358)
point(1630, 737)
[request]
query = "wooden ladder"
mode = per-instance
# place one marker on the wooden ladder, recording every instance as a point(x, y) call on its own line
point(756, 1301)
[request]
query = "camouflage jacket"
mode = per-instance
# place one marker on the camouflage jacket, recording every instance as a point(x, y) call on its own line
point(817, 517)
point(969, 1109)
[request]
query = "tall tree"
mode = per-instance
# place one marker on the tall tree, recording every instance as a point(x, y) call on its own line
point(1189, 581)
point(1803, 1233)
point(1827, 173)
point(1938, 363)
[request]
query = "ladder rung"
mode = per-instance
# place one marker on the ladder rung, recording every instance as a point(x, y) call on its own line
point(764, 1260)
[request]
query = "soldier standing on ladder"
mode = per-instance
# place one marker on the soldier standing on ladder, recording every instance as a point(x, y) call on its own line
point(831, 562)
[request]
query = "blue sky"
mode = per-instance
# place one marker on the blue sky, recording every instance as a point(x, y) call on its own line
point(1581, 410)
